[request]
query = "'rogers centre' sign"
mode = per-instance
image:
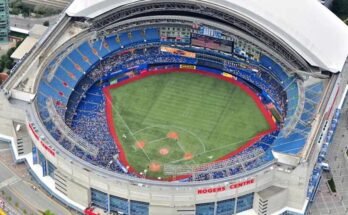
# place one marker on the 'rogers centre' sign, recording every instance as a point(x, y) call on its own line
point(224, 188)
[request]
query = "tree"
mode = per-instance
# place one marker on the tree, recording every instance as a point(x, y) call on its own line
point(47, 212)
point(10, 51)
point(46, 23)
point(18, 43)
point(340, 8)
point(26, 11)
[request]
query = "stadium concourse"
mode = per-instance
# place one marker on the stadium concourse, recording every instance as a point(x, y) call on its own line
point(84, 147)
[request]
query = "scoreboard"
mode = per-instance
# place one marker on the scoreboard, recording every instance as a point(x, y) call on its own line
point(205, 41)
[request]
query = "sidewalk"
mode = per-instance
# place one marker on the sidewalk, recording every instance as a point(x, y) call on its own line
point(8, 208)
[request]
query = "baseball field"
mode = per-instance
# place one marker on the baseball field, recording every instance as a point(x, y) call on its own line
point(181, 118)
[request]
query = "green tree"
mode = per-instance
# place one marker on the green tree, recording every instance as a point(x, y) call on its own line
point(18, 4)
point(340, 8)
point(18, 43)
point(10, 51)
point(26, 11)
point(47, 212)
point(9, 63)
point(46, 23)
point(15, 11)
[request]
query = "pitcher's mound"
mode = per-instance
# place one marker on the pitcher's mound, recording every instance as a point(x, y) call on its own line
point(188, 156)
point(164, 151)
point(155, 167)
point(140, 144)
point(173, 135)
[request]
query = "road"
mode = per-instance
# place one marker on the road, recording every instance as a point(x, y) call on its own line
point(16, 182)
point(327, 202)
point(27, 23)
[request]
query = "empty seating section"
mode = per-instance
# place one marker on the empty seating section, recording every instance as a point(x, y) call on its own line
point(294, 142)
point(77, 59)
point(138, 36)
point(125, 40)
point(113, 44)
point(67, 76)
point(70, 67)
point(99, 47)
point(152, 35)
point(87, 51)
point(61, 86)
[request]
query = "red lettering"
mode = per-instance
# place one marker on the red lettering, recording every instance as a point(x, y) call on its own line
point(221, 189)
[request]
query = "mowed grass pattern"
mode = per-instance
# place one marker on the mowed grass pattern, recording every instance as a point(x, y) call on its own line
point(211, 118)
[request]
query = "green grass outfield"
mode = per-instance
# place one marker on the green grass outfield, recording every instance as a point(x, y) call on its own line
point(211, 118)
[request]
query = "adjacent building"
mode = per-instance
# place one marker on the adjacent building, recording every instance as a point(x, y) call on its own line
point(4, 21)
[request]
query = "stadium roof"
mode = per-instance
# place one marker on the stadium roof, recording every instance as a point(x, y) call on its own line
point(306, 25)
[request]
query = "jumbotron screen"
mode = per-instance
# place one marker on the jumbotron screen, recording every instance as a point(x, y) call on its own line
point(211, 43)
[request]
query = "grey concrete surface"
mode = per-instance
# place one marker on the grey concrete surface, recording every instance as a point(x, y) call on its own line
point(16, 182)
point(27, 23)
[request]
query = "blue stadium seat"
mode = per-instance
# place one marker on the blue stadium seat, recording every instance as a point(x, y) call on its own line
point(88, 52)
point(77, 58)
point(114, 46)
point(102, 51)
point(152, 35)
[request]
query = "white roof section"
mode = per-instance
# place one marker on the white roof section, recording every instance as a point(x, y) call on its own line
point(19, 30)
point(37, 31)
point(306, 25)
point(24, 48)
point(29, 42)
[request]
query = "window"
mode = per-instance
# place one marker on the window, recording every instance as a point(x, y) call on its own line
point(51, 169)
point(118, 204)
point(99, 199)
point(205, 209)
point(245, 202)
point(139, 208)
point(225, 207)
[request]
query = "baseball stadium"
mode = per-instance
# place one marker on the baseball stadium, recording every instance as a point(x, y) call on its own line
point(182, 107)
